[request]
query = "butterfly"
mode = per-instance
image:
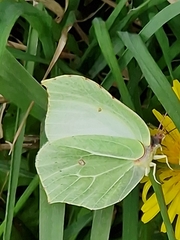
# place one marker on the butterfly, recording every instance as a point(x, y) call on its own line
point(98, 149)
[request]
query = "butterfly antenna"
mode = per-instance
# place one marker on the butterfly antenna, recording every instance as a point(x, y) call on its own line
point(161, 125)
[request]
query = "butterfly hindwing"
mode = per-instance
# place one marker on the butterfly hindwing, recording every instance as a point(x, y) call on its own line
point(82, 172)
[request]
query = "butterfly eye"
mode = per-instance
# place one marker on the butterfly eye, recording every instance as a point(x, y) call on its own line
point(157, 139)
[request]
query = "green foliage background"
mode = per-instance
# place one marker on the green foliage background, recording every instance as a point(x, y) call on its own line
point(132, 50)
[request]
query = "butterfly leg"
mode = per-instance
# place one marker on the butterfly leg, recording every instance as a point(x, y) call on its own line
point(157, 157)
point(154, 171)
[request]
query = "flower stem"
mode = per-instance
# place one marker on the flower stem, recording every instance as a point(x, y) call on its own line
point(162, 205)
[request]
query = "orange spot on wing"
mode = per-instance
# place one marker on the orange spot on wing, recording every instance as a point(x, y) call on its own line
point(81, 162)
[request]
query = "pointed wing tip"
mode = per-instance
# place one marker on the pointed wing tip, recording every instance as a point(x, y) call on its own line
point(50, 80)
point(45, 82)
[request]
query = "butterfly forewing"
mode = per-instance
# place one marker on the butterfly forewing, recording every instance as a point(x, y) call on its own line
point(79, 106)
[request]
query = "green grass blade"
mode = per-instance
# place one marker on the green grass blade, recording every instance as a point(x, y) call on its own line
point(13, 178)
point(160, 19)
point(31, 48)
point(19, 87)
point(100, 62)
point(164, 44)
point(163, 209)
point(101, 224)
point(22, 200)
point(123, 62)
point(27, 193)
point(110, 22)
point(115, 14)
point(51, 219)
point(151, 27)
point(133, 14)
point(16, 154)
point(130, 215)
point(13, 74)
point(40, 21)
point(134, 75)
point(104, 41)
point(155, 78)
point(173, 52)
point(72, 231)
point(18, 54)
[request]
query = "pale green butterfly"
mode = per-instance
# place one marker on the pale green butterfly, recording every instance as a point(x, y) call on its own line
point(98, 149)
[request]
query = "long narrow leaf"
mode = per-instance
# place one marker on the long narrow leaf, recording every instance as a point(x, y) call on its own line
point(160, 198)
point(13, 178)
point(151, 27)
point(51, 219)
point(19, 87)
point(104, 41)
point(101, 224)
point(155, 78)
point(130, 215)
point(38, 20)
point(22, 200)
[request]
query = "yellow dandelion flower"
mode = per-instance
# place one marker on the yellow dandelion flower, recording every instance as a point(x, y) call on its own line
point(170, 179)
point(176, 87)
